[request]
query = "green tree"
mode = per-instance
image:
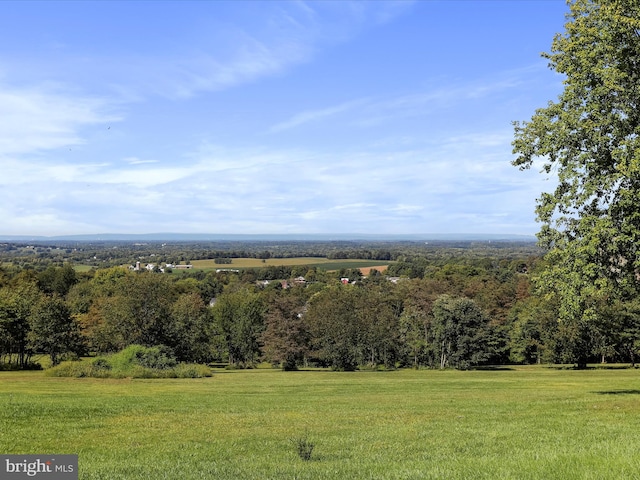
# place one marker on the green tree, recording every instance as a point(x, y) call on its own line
point(286, 336)
point(16, 303)
point(590, 138)
point(133, 309)
point(238, 324)
point(53, 330)
point(460, 332)
point(335, 329)
point(57, 280)
point(415, 330)
point(378, 311)
point(191, 328)
point(619, 334)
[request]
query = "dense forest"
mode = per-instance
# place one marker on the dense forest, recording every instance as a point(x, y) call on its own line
point(437, 305)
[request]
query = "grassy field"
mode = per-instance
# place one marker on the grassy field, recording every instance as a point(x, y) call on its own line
point(524, 423)
point(320, 262)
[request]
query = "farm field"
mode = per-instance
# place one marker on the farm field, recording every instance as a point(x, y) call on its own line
point(319, 262)
point(519, 423)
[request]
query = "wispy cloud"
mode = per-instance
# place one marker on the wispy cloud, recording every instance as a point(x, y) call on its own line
point(44, 118)
point(313, 115)
point(211, 133)
point(243, 190)
point(371, 112)
point(138, 161)
point(291, 34)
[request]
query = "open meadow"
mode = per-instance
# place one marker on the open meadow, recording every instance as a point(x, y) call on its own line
point(320, 263)
point(517, 423)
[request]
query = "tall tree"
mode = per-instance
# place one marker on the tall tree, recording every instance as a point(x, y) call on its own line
point(335, 328)
point(238, 324)
point(460, 332)
point(16, 304)
point(57, 279)
point(133, 308)
point(53, 330)
point(378, 311)
point(590, 137)
point(286, 335)
point(191, 328)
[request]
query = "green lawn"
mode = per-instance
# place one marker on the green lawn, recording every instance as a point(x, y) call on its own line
point(525, 423)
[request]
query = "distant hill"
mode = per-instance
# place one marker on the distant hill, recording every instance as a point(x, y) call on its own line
point(213, 237)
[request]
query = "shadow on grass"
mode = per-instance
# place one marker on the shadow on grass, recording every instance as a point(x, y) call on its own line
point(494, 368)
point(619, 392)
point(599, 366)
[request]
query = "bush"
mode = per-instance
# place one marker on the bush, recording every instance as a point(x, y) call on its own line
point(304, 447)
point(134, 361)
point(192, 370)
point(159, 357)
point(14, 366)
point(71, 369)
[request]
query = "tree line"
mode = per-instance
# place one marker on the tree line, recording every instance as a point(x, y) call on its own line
point(460, 312)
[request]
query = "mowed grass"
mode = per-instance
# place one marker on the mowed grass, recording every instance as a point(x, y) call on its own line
point(525, 423)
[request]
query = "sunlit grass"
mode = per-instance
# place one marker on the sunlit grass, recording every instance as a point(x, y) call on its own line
point(319, 262)
point(524, 423)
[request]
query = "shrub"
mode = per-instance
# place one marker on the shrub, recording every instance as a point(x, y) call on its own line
point(159, 357)
point(14, 366)
point(304, 447)
point(101, 363)
point(71, 369)
point(134, 361)
point(192, 370)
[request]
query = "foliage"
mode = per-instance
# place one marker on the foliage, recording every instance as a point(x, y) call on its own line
point(590, 138)
point(335, 329)
point(191, 328)
point(533, 337)
point(460, 332)
point(53, 330)
point(16, 302)
point(380, 321)
point(286, 335)
point(238, 324)
point(135, 361)
point(57, 280)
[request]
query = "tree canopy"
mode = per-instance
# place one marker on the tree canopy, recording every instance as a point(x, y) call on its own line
point(590, 139)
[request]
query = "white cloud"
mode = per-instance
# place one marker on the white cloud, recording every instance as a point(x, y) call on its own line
point(228, 55)
point(313, 115)
point(138, 161)
point(44, 118)
point(372, 112)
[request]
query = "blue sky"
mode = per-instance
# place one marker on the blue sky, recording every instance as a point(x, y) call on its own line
point(270, 117)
